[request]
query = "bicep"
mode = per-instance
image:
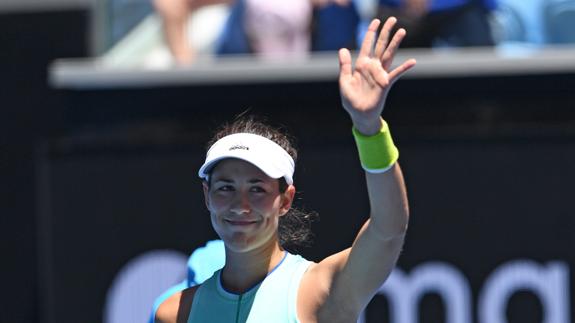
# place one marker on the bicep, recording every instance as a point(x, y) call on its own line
point(354, 275)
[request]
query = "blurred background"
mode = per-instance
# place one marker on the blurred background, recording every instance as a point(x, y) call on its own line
point(104, 113)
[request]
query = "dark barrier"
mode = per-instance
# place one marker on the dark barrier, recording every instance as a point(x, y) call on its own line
point(490, 235)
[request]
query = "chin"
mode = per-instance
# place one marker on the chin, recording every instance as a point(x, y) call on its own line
point(242, 243)
point(239, 242)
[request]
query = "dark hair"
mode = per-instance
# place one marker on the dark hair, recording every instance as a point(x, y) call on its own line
point(294, 227)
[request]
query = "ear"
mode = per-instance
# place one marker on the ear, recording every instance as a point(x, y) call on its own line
point(206, 189)
point(287, 200)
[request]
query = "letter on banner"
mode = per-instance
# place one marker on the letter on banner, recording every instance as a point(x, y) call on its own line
point(404, 292)
point(550, 283)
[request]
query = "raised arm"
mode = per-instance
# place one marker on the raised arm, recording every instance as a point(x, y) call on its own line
point(353, 276)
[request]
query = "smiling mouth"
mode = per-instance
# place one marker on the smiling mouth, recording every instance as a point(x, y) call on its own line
point(241, 222)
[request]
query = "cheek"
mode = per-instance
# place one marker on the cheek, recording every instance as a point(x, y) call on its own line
point(270, 204)
point(215, 223)
point(217, 202)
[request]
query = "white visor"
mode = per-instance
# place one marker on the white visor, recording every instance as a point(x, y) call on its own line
point(263, 153)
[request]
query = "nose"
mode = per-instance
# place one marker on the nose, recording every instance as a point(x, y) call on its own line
point(241, 204)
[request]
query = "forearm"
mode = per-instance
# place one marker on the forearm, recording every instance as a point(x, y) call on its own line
point(196, 4)
point(177, 41)
point(174, 14)
point(378, 244)
point(386, 188)
point(389, 210)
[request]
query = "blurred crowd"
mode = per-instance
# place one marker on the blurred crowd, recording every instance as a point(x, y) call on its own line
point(287, 29)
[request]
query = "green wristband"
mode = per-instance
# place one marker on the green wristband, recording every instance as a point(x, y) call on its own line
point(377, 153)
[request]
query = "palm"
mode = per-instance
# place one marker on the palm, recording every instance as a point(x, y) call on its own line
point(361, 91)
point(364, 89)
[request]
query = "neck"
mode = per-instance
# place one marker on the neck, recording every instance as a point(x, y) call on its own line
point(243, 270)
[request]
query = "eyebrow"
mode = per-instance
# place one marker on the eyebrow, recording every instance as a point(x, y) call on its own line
point(222, 180)
point(226, 180)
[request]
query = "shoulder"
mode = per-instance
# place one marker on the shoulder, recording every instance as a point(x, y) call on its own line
point(176, 308)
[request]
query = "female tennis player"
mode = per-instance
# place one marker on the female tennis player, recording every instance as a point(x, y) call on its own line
point(249, 189)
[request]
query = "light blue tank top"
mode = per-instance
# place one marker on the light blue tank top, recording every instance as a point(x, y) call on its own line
point(272, 300)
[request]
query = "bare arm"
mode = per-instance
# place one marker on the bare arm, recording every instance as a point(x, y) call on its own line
point(177, 307)
point(352, 276)
point(174, 14)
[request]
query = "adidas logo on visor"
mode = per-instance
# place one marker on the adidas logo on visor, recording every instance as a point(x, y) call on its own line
point(235, 147)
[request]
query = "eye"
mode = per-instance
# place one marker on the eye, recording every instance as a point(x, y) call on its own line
point(257, 189)
point(225, 188)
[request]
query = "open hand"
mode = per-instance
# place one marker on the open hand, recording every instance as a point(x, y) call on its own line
point(364, 88)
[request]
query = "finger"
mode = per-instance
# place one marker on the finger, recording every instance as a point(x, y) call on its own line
point(384, 36)
point(379, 76)
point(389, 53)
point(368, 72)
point(344, 63)
point(401, 69)
point(368, 39)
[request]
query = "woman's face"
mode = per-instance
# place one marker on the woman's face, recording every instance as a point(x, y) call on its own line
point(245, 204)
